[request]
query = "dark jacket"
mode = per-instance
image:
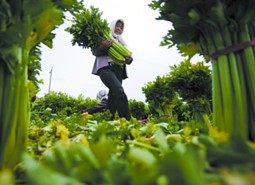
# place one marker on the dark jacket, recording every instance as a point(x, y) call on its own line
point(101, 107)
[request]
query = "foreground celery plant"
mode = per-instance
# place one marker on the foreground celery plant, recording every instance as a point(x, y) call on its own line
point(224, 30)
point(23, 25)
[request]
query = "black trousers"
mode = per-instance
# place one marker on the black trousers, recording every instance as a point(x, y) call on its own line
point(111, 76)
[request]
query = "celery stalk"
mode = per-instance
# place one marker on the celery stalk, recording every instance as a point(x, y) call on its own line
point(117, 51)
point(121, 49)
point(249, 71)
point(15, 117)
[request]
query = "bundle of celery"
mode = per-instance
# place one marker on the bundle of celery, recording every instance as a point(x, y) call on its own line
point(89, 30)
point(223, 30)
point(23, 25)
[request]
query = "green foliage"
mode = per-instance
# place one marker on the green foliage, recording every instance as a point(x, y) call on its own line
point(80, 150)
point(61, 103)
point(102, 116)
point(228, 154)
point(88, 28)
point(181, 108)
point(138, 109)
point(179, 165)
point(67, 147)
point(23, 26)
point(96, 153)
point(216, 29)
point(34, 68)
point(185, 93)
point(184, 16)
point(160, 95)
point(72, 6)
point(191, 81)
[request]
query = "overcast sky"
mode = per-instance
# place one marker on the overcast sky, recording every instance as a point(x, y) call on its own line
point(72, 65)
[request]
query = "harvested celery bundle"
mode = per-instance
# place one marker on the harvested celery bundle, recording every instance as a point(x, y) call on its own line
point(223, 30)
point(89, 30)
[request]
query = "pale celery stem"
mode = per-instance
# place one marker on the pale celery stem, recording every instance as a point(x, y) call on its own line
point(239, 92)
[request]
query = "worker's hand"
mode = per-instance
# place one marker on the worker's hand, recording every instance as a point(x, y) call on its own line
point(107, 43)
point(129, 60)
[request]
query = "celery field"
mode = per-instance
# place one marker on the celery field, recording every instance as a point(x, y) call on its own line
point(196, 126)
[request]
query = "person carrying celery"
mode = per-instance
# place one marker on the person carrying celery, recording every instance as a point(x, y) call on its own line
point(111, 73)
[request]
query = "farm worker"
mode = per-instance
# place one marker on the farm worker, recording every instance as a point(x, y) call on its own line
point(112, 74)
point(102, 96)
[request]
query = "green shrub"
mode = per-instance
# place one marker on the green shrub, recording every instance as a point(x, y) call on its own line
point(138, 109)
point(60, 105)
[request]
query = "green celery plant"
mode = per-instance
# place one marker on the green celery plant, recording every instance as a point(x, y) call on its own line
point(23, 25)
point(213, 26)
